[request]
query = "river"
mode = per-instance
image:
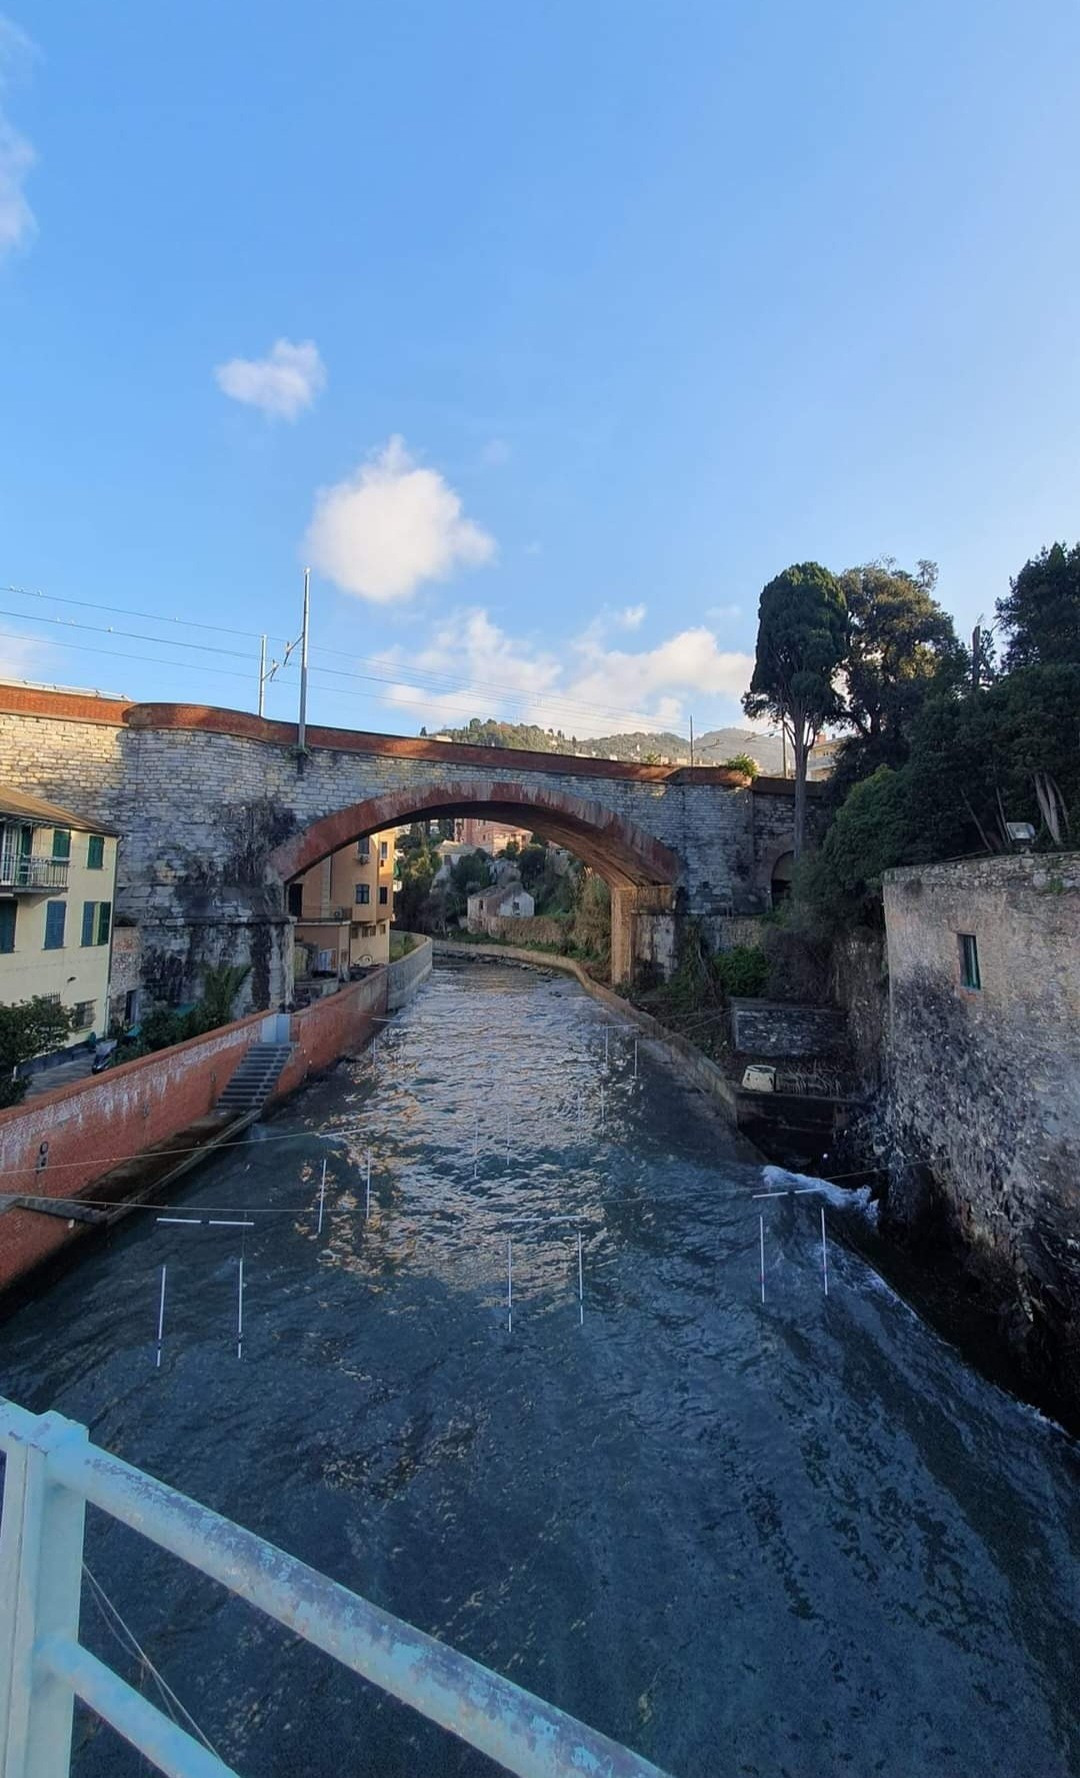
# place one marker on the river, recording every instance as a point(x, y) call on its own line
point(787, 1538)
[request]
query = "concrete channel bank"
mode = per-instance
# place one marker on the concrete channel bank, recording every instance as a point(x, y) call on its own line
point(71, 1160)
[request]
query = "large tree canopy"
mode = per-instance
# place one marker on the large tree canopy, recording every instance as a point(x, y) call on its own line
point(1042, 611)
point(801, 642)
point(902, 649)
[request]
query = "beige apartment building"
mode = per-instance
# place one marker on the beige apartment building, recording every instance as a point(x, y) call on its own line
point(343, 908)
point(57, 883)
point(488, 836)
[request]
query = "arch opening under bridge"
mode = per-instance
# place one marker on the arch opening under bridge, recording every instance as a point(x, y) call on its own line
point(642, 873)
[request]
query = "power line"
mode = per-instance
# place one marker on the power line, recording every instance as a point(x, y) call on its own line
point(421, 679)
point(126, 611)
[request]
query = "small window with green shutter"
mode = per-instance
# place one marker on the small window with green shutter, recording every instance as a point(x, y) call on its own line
point(104, 917)
point(95, 852)
point(89, 911)
point(7, 926)
point(61, 843)
point(54, 925)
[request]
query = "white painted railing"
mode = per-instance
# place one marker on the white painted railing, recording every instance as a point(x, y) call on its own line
point(52, 1471)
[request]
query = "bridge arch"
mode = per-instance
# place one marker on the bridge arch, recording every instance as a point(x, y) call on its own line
point(641, 872)
point(622, 853)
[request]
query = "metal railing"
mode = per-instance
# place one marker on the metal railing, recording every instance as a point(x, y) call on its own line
point(28, 872)
point(52, 1471)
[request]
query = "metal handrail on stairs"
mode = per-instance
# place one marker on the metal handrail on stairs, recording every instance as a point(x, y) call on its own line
point(52, 1471)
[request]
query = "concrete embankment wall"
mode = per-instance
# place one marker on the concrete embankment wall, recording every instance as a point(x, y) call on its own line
point(63, 1142)
point(406, 974)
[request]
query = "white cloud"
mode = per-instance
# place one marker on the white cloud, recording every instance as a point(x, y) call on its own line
point(17, 224)
point(282, 384)
point(473, 668)
point(631, 617)
point(391, 526)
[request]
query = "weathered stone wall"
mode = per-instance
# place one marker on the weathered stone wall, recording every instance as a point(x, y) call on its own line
point(205, 798)
point(783, 1028)
point(535, 929)
point(859, 984)
point(984, 1084)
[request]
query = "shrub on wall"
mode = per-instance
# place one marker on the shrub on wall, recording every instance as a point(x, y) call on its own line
point(741, 972)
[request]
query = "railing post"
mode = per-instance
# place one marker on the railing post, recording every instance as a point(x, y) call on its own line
point(41, 1548)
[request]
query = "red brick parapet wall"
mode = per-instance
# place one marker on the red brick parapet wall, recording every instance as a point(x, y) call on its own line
point(96, 1123)
point(27, 700)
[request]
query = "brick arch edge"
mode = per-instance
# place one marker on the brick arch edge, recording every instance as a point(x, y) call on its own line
point(619, 851)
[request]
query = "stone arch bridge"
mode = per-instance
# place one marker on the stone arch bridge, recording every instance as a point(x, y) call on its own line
point(218, 810)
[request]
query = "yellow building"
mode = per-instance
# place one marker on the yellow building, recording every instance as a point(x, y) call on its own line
point(57, 885)
point(343, 908)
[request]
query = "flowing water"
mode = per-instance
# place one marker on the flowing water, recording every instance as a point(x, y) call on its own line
point(796, 1536)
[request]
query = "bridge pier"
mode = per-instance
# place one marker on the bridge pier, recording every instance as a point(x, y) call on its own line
point(643, 927)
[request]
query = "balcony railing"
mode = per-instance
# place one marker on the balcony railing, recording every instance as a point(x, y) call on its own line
point(18, 871)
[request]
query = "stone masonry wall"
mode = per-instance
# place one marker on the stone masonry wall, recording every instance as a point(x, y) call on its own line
point(984, 1084)
point(784, 1028)
point(201, 810)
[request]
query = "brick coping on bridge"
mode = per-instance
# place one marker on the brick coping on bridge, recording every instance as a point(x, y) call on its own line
point(124, 713)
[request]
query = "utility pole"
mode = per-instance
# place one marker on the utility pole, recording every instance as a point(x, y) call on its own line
point(262, 675)
point(783, 745)
point(691, 740)
point(301, 727)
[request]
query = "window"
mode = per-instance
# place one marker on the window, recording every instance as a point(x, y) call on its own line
point(7, 925)
point(61, 843)
point(363, 894)
point(969, 960)
point(83, 1014)
point(296, 900)
point(96, 920)
point(131, 1006)
point(363, 850)
point(383, 851)
point(54, 925)
point(95, 852)
point(384, 895)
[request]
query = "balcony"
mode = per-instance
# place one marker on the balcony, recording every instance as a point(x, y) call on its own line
point(31, 876)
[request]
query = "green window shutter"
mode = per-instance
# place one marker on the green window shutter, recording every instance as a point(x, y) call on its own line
point(89, 909)
point(7, 925)
point(95, 852)
point(104, 917)
point(54, 925)
point(61, 843)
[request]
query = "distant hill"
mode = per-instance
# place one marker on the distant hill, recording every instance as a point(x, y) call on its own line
point(641, 746)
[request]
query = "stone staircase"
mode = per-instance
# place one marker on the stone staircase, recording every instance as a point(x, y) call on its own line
point(254, 1080)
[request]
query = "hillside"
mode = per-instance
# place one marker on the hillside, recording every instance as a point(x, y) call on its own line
point(711, 748)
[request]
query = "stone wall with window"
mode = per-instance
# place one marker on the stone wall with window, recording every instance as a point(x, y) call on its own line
point(983, 1114)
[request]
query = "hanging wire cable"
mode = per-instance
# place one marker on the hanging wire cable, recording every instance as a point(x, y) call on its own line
point(126, 611)
point(125, 1636)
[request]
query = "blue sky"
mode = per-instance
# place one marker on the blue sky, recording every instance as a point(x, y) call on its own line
point(548, 333)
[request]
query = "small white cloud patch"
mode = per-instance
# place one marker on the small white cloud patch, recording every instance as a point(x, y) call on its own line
point(390, 526)
point(282, 384)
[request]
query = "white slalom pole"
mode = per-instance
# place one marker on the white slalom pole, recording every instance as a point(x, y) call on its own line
point(160, 1320)
point(322, 1199)
point(580, 1284)
point(635, 1057)
point(509, 1289)
point(240, 1312)
point(761, 1220)
point(824, 1253)
point(367, 1187)
point(508, 1135)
